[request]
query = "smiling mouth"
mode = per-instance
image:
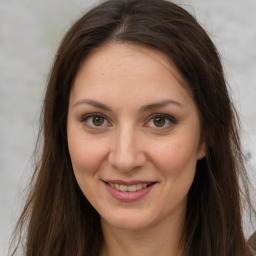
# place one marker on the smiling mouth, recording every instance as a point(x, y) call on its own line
point(129, 191)
point(129, 188)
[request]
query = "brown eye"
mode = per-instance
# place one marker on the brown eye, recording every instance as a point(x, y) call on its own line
point(159, 121)
point(98, 120)
point(95, 121)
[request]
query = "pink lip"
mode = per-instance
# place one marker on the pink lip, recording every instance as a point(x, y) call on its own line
point(128, 183)
point(129, 196)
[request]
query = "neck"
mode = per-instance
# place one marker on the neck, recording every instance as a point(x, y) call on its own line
point(159, 239)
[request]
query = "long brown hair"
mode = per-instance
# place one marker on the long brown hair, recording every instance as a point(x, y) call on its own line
point(57, 217)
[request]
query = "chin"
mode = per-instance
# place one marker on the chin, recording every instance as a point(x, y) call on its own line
point(128, 221)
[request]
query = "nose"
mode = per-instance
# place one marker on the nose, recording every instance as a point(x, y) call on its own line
point(126, 152)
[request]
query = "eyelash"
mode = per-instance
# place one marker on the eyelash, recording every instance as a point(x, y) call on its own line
point(98, 115)
point(171, 121)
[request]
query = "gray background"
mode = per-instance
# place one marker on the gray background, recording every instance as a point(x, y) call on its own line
point(30, 32)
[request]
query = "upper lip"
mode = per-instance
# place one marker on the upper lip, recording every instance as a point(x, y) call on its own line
point(129, 183)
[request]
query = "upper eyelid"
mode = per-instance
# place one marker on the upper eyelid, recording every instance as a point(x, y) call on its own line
point(86, 116)
point(170, 119)
point(167, 116)
point(93, 114)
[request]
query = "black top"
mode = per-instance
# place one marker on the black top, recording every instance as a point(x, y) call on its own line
point(252, 243)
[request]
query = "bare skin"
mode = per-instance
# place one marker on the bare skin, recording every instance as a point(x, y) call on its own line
point(131, 122)
point(158, 240)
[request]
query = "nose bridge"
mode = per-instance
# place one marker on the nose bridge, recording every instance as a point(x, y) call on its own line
point(126, 153)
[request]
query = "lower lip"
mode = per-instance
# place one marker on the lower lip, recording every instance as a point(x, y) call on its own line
point(129, 196)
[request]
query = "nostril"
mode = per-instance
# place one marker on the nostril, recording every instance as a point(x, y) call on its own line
point(126, 161)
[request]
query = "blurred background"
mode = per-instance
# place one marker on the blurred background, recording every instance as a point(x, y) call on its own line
point(30, 32)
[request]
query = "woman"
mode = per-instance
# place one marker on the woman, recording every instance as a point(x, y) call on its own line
point(141, 154)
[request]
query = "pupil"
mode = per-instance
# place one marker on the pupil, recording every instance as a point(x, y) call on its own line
point(98, 121)
point(159, 121)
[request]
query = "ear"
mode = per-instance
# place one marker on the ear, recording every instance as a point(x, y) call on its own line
point(201, 152)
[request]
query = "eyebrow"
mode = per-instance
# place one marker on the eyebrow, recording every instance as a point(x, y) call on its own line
point(93, 103)
point(160, 105)
point(145, 108)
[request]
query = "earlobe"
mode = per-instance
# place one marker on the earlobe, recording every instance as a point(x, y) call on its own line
point(201, 153)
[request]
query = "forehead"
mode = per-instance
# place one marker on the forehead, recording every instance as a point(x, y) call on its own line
point(107, 56)
point(129, 69)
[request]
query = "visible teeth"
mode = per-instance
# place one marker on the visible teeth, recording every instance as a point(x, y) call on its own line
point(132, 188)
point(125, 188)
point(138, 186)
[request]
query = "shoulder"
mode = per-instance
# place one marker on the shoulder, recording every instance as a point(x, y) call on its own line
point(252, 244)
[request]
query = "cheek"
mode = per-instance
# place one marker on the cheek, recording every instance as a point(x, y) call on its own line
point(176, 162)
point(86, 155)
point(176, 156)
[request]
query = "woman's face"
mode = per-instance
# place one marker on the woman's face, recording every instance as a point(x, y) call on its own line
point(133, 136)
